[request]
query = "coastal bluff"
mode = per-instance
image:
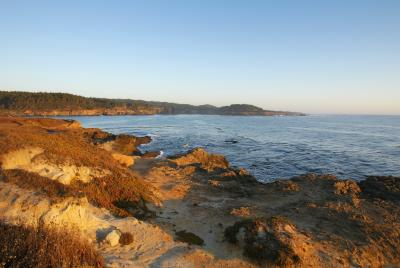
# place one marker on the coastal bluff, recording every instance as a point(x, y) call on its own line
point(18, 103)
point(134, 209)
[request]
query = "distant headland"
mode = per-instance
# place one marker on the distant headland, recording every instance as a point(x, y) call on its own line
point(64, 104)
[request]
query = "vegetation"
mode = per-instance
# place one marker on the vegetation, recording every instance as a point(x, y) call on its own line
point(125, 238)
point(39, 103)
point(74, 146)
point(22, 246)
point(118, 194)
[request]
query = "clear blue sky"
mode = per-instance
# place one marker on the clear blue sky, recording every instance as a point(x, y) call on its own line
point(310, 56)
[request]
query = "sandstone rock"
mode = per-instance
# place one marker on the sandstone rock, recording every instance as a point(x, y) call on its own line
point(125, 160)
point(113, 238)
point(207, 161)
point(29, 159)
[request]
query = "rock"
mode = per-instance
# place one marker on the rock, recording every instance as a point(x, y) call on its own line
point(229, 173)
point(346, 187)
point(189, 237)
point(52, 124)
point(125, 160)
point(243, 172)
point(100, 136)
point(386, 188)
point(266, 240)
point(207, 161)
point(29, 159)
point(72, 124)
point(151, 154)
point(113, 237)
point(241, 212)
point(289, 186)
point(125, 144)
point(214, 183)
point(142, 140)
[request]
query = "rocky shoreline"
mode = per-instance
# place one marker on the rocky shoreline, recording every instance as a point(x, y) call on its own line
point(191, 210)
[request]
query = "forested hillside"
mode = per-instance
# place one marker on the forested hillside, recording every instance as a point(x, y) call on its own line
point(28, 103)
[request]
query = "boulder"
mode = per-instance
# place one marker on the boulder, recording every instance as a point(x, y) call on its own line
point(207, 161)
point(113, 237)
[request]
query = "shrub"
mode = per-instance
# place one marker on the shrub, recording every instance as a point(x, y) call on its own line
point(45, 247)
point(126, 238)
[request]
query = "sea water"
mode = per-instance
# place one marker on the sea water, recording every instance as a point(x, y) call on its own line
point(277, 147)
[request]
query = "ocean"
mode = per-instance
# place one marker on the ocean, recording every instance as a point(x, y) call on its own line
point(277, 147)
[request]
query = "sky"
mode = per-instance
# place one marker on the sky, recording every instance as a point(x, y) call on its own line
point(310, 56)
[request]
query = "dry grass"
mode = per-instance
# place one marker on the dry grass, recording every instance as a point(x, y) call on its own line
point(60, 144)
point(122, 196)
point(43, 247)
point(28, 180)
point(75, 146)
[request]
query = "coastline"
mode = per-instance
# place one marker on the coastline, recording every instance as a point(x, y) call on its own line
point(19, 103)
point(133, 113)
point(191, 209)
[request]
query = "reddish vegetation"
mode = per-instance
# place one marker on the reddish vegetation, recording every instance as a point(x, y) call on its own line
point(44, 247)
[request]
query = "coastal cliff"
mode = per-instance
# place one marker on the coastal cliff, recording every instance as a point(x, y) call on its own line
point(190, 210)
point(62, 104)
